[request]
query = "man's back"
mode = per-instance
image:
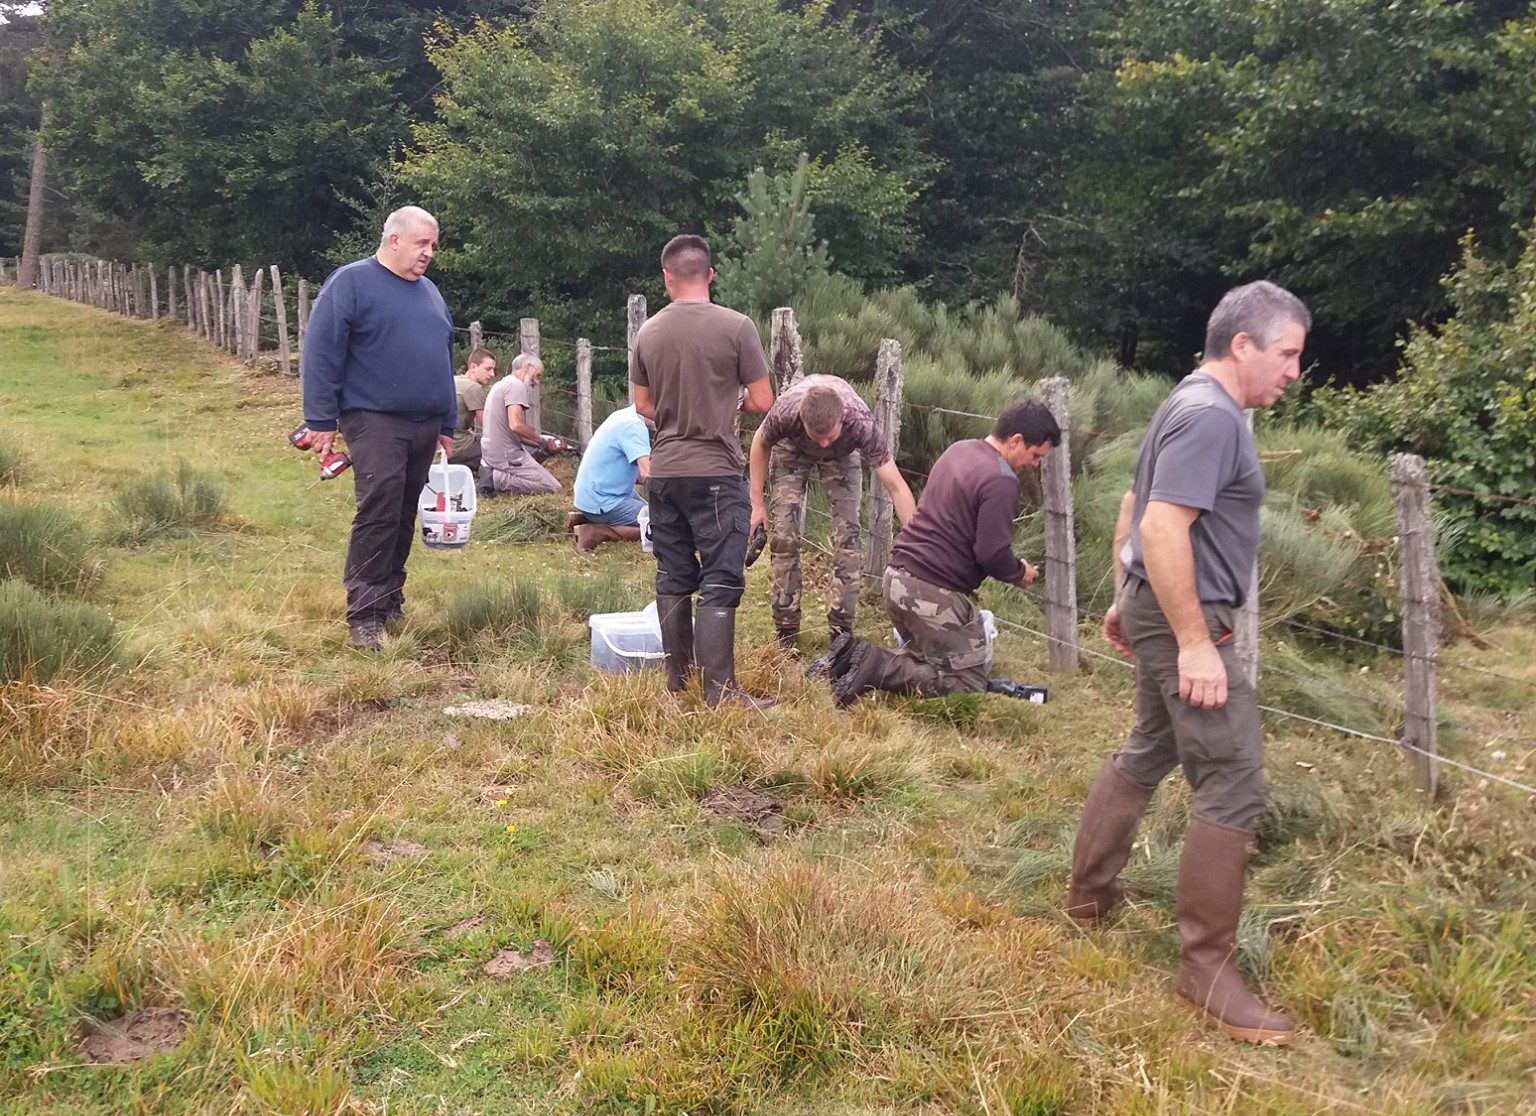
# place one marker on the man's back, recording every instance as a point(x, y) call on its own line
point(608, 471)
point(499, 445)
point(695, 357)
point(963, 530)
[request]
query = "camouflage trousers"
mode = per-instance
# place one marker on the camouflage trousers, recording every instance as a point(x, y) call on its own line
point(843, 479)
point(946, 646)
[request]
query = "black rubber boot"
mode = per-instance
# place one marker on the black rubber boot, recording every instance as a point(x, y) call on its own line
point(715, 650)
point(676, 617)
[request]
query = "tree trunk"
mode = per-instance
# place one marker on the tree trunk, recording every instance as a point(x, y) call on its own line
point(31, 243)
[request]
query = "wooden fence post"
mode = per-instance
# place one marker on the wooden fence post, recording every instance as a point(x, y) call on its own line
point(784, 350)
point(528, 341)
point(189, 294)
point(154, 294)
point(303, 320)
point(1060, 535)
point(222, 293)
point(583, 390)
point(236, 296)
point(280, 312)
point(205, 300)
point(888, 421)
point(1245, 638)
point(1421, 615)
point(170, 293)
point(476, 336)
point(635, 312)
point(135, 306)
point(253, 321)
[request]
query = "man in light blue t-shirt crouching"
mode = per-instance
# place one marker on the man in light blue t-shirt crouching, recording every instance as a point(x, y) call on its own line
point(606, 505)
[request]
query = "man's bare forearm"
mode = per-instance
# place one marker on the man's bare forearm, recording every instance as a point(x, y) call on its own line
point(1170, 560)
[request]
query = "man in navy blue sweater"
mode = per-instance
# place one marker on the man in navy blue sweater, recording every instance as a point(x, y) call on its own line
point(378, 365)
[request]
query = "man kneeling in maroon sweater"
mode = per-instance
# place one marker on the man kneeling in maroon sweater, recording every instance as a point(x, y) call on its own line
point(961, 535)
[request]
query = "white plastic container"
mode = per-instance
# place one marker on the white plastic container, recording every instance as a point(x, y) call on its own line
point(447, 504)
point(625, 641)
point(645, 529)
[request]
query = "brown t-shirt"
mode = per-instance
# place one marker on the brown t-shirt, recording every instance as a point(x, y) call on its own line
point(696, 357)
point(859, 430)
point(471, 399)
point(963, 530)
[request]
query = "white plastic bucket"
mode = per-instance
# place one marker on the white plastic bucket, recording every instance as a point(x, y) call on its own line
point(625, 641)
point(447, 504)
point(645, 529)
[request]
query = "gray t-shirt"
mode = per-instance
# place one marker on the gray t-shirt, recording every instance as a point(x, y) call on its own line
point(1198, 453)
point(499, 447)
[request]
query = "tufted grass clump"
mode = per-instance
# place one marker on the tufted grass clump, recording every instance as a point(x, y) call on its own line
point(41, 637)
point(159, 507)
point(46, 547)
point(13, 465)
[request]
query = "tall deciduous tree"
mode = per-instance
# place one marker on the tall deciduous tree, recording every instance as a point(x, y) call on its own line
point(563, 155)
point(1338, 146)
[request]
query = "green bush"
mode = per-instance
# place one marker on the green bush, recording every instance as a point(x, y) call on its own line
point(40, 636)
point(1465, 400)
point(150, 508)
point(46, 547)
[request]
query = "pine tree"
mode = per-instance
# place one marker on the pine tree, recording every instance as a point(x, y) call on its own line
point(772, 251)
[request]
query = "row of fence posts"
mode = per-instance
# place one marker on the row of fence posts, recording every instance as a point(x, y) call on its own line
point(229, 314)
point(226, 310)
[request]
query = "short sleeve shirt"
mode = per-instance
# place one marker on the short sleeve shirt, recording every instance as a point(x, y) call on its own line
point(696, 357)
point(1198, 453)
point(609, 469)
point(859, 431)
point(500, 448)
point(471, 399)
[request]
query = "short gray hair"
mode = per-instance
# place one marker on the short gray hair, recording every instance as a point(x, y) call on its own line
point(403, 220)
point(1262, 310)
point(521, 361)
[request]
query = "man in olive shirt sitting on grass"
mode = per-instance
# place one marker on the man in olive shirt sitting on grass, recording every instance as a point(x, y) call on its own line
point(961, 535)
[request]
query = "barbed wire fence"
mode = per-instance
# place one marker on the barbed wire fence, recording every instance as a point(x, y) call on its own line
point(231, 312)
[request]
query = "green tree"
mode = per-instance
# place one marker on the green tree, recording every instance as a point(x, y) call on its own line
point(772, 254)
point(1340, 147)
point(564, 154)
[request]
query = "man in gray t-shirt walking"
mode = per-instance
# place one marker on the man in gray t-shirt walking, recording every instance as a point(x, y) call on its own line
point(1185, 544)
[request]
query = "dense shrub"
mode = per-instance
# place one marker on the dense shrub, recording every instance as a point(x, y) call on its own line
point(157, 507)
point(39, 636)
point(1465, 400)
point(45, 546)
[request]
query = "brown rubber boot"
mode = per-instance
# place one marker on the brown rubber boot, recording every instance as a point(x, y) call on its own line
point(1105, 832)
point(590, 535)
point(715, 650)
point(675, 615)
point(574, 519)
point(1212, 868)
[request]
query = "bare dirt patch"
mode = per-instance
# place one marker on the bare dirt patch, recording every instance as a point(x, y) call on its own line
point(384, 852)
point(763, 814)
point(509, 961)
point(136, 1035)
point(493, 710)
point(468, 925)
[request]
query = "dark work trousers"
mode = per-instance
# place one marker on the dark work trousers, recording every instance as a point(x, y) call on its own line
point(699, 531)
point(1221, 750)
point(390, 459)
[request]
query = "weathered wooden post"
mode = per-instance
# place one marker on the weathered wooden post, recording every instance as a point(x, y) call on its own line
point(583, 390)
point(784, 349)
point(888, 421)
point(636, 318)
point(237, 297)
point(1421, 615)
point(154, 295)
point(191, 295)
point(253, 322)
point(1245, 639)
point(1060, 535)
point(280, 312)
point(205, 302)
point(170, 293)
point(134, 306)
point(303, 319)
point(476, 336)
point(221, 298)
point(528, 341)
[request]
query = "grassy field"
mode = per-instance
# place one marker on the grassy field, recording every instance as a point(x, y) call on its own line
point(293, 844)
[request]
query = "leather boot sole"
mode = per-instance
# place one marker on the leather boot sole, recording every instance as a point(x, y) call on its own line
point(1259, 1036)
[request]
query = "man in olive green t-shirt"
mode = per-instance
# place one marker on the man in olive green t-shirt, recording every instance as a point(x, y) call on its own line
point(471, 387)
point(695, 366)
